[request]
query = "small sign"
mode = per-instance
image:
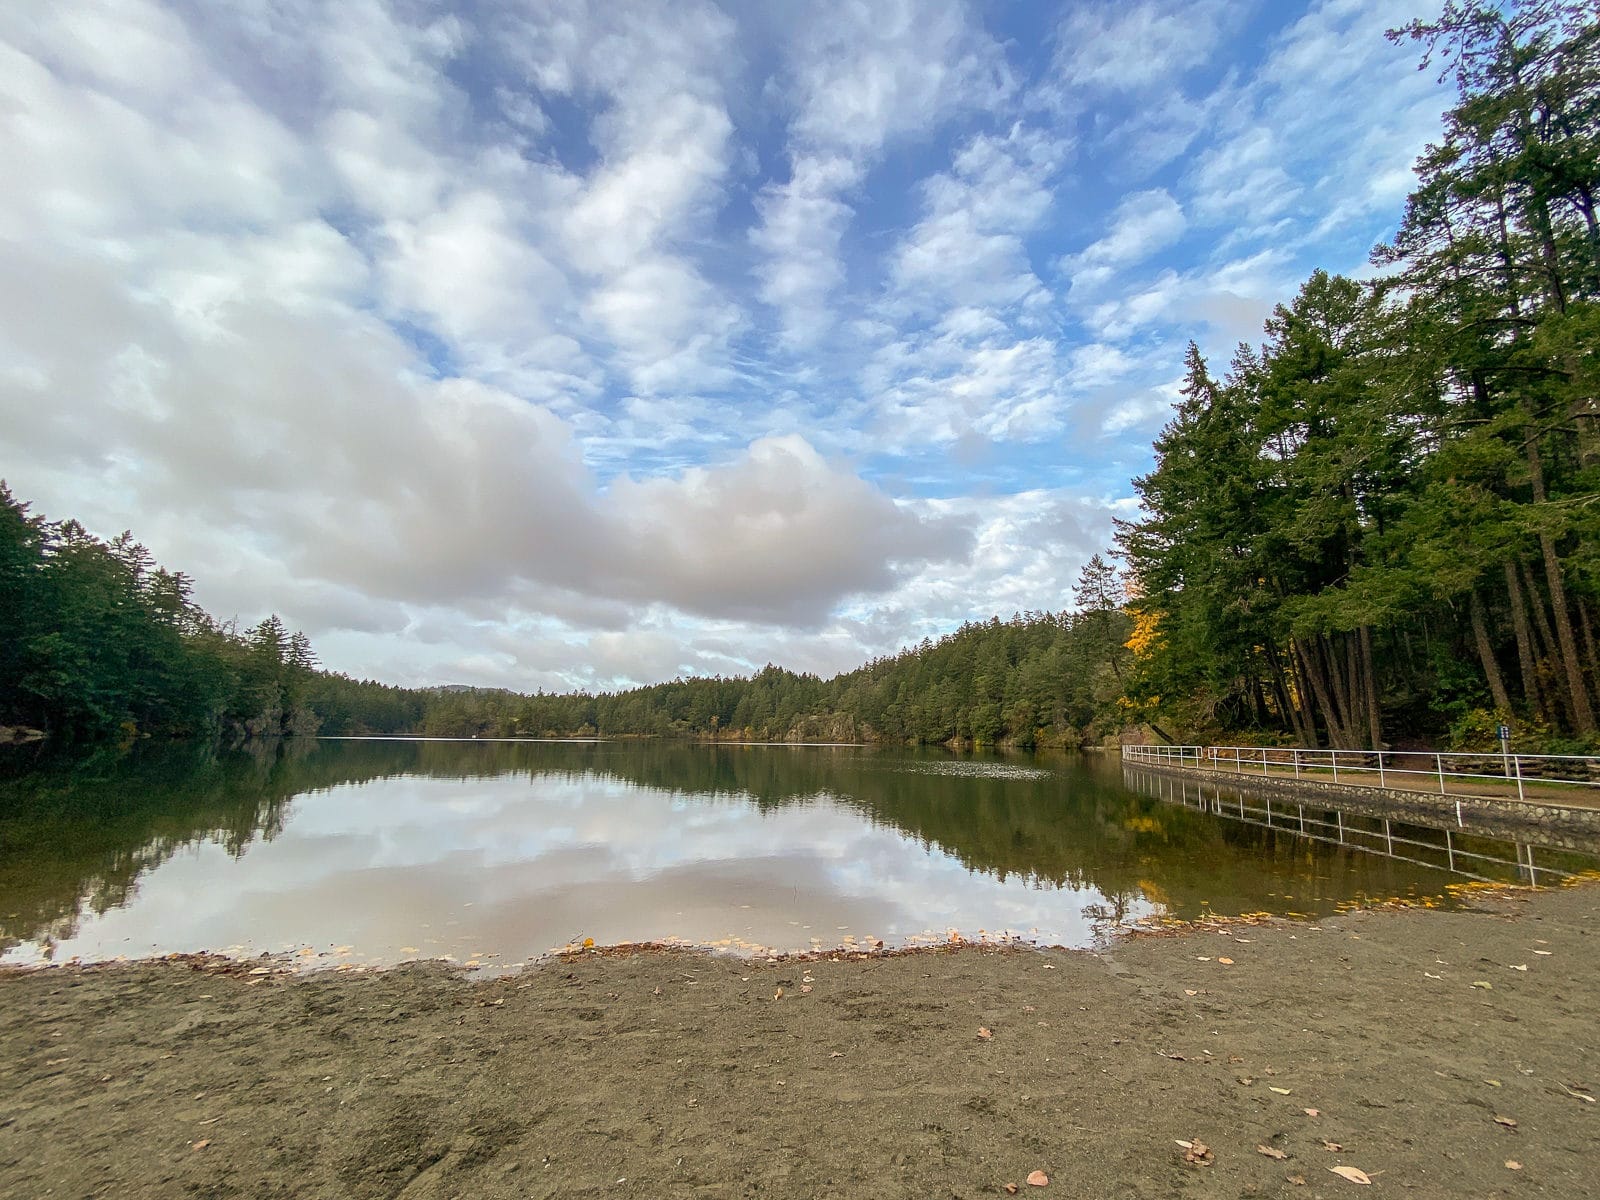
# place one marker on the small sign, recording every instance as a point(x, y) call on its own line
point(1503, 732)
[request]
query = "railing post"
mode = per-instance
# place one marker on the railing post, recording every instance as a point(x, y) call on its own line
point(1297, 762)
point(1516, 760)
point(1334, 754)
point(1438, 765)
point(1237, 769)
point(1263, 761)
point(1381, 782)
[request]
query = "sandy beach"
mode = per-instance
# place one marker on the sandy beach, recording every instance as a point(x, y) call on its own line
point(1439, 1053)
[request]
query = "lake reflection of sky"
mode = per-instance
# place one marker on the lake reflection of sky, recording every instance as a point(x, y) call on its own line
point(513, 865)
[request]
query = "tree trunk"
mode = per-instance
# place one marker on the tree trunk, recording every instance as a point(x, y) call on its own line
point(1582, 713)
point(1491, 669)
point(1527, 661)
point(1280, 684)
point(1374, 719)
point(1341, 695)
point(1312, 672)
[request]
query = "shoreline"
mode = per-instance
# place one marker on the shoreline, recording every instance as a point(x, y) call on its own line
point(938, 1071)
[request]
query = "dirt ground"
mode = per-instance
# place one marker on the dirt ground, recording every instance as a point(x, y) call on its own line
point(1412, 1046)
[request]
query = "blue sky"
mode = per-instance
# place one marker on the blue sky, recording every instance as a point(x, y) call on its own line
point(575, 345)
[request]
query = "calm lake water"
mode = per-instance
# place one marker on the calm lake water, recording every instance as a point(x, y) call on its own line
point(495, 853)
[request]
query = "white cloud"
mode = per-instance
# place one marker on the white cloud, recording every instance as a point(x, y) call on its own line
point(1144, 223)
point(865, 76)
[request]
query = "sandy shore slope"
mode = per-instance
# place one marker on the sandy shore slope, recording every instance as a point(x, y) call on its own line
point(1409, 1045)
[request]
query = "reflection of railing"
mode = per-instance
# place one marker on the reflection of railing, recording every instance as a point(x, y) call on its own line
point(1372, 835)
point(1408, 770)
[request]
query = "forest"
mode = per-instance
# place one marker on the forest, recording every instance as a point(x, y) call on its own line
point(1378, 527)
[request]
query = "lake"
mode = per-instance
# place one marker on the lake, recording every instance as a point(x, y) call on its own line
point(362, 852)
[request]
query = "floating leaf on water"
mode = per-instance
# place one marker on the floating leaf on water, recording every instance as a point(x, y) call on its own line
point(1038, 1179)
point(1353, 1174)
point(1271, 1152)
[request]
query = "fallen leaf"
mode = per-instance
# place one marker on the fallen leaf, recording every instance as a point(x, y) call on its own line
point(1271, 1152)
point(200, 1145)
point(1508, 1122)
point(1331, 1147)
point(1494, 1083)
point(1011, 1189)
point(837, 1054)
point(1297, 1180)
point(1353, 1174)
point(1484, 984)
point(778, 995)
point(1038, 1179)
point(261, 970)
point(1519, 967)
point(1544, 952)
point(1513, 1165)
point(1227, 962)
point(1279, 1090)
point(985, 1033)
point(588, 943)
point(1197, 1153)
point(1190, 992)
point(1312, 1112)
point(1577, 1095)
point(1246, 1080)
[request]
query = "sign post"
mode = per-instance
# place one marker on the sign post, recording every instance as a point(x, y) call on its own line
point(1503, 732)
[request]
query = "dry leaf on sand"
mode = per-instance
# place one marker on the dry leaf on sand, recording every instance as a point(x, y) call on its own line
point(1353, 1174)
point(1038, 1179)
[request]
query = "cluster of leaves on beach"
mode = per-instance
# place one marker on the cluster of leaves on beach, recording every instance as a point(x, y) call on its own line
point(1383, 523)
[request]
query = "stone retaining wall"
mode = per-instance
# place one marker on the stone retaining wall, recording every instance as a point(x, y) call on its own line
point(1558, 825)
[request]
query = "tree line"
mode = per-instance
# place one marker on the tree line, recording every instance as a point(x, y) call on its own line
point(100, 643)
point(1382, 524)
point(103, 644)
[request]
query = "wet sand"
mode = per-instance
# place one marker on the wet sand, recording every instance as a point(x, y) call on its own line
point(670, 1073)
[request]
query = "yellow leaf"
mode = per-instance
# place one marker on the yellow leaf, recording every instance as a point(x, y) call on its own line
point(1353, 1174)
point(1227, 962)
point(1279, 1090)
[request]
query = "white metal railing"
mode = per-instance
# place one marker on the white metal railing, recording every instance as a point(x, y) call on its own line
point(1408, 770)
point(1373, 835)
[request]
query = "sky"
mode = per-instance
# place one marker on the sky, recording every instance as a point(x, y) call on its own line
point(562, 345)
